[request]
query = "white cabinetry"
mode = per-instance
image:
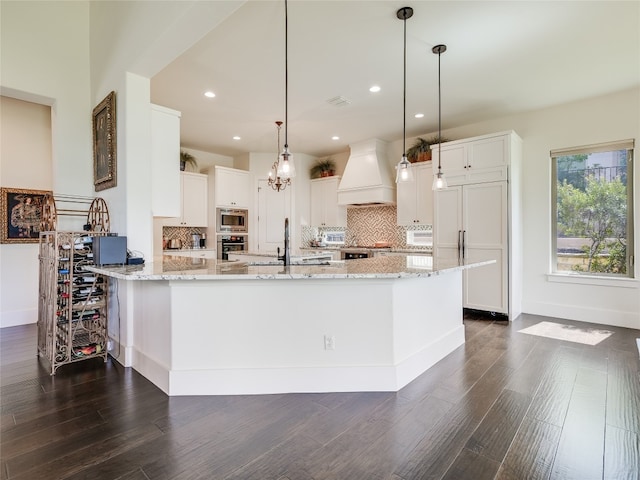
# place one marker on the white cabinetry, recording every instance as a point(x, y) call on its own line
point(483, 160)
point(165, 160)
point(415, 199)
point(476, 219)
point(325, 211)
point(232, 187)
point(193, 201)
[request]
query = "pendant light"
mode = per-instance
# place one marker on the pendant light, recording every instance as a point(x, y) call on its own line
point(276, 181)
point(284, 168)
point(439, 182)
point(403, 169)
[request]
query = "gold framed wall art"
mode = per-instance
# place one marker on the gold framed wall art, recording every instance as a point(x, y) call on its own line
point(104, 143)
point(21, 214)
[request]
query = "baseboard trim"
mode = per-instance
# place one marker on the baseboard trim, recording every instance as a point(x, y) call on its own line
point(260, 381)
point(584, 314)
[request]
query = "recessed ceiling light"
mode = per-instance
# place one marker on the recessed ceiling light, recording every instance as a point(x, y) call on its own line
point(236, 137)
point(209, 94)
point(374, 89)
point(335, 137)
point(419, 115)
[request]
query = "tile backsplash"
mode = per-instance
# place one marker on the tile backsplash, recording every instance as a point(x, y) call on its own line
point(182, 233)
point(368, 225)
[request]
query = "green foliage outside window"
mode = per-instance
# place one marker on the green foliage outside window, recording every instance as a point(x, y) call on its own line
point(598, 214)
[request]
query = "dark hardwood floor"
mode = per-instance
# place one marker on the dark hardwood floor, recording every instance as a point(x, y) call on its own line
point(506, 405)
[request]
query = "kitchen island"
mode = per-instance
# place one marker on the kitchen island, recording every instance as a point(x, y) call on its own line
point(232, 328)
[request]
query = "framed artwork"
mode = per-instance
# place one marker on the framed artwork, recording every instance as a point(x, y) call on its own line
point(21, 214)
point(104, 143)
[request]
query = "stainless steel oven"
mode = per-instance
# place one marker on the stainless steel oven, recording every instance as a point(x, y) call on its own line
point(232, 220)
point(354, 253)
point(231, 243)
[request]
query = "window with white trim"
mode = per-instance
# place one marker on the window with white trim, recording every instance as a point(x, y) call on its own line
point(593, 209)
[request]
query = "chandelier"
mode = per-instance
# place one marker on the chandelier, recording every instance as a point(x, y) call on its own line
point(278, 178)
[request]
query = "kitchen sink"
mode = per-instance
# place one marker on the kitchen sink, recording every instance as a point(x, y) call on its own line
point(294, 264)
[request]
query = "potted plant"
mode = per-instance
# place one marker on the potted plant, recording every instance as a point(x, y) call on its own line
point(325, 167)
point(187, 158)
point(420, 151)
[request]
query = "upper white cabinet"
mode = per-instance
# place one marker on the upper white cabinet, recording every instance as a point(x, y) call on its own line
point(325, 211)
point(193, 204)
point(232, 187)
point(484, 160)
point(165, 162)
point(477, 219)
point(415, 199)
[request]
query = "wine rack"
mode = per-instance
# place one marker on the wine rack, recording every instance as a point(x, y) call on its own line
point(73, 303)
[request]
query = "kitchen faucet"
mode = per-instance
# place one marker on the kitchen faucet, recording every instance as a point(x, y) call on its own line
point(286, 257)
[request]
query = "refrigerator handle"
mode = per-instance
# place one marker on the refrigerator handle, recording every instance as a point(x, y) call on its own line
point(459, 244)
point(464, 240)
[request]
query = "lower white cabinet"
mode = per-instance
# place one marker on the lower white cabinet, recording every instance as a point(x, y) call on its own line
point(471, 226)
point(193, 201)
point(325, 211)
point(415, 199)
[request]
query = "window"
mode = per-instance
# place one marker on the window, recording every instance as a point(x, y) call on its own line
point(593, 209)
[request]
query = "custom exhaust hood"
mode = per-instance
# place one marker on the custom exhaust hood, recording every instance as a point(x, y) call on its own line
point(367, 178)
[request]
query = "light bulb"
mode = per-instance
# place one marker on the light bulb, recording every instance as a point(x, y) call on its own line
point(404, 172)
point(439, 182)
point(286, 167)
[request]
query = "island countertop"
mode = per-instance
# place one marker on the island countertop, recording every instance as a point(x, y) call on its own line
point(179, 268)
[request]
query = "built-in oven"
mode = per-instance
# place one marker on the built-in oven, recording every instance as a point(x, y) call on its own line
point(229, 244)
point(352, 254)
point(232, 220)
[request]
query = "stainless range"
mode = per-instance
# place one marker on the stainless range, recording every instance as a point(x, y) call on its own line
point(352, 253)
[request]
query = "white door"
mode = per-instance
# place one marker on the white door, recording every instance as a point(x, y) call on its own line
point(485, 238)
point(273, 208)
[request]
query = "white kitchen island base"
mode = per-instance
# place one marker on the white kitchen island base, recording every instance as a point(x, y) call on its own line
point(227, 337)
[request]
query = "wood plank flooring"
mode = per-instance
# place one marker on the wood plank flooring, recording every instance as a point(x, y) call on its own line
point(506, 405)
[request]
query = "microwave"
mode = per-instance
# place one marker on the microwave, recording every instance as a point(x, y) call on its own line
point(232, 220)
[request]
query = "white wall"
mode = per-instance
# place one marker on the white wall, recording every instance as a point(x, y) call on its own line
point(34, 69)
point(25, 163)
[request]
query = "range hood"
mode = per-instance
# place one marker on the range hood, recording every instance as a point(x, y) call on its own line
point(367, 178)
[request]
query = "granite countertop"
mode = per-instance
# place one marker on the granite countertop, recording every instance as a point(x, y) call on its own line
point(179, 268)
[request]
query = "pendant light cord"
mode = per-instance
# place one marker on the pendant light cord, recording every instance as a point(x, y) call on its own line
point(286, 74)
point(404, 93)
point(439, 114)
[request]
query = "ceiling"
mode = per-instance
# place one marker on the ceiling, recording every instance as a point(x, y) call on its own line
point(502, 58)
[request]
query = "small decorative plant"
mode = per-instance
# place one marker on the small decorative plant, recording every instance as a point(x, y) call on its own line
point(187, 158)
point(325, 167)
point(420, 151)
